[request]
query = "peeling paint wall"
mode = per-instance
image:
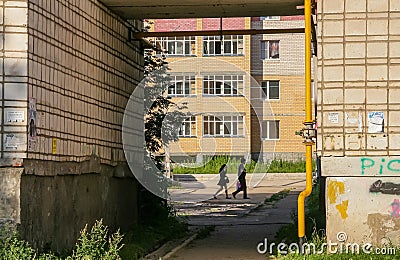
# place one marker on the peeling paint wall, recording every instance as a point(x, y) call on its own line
point(366, 209)
point(359, 117)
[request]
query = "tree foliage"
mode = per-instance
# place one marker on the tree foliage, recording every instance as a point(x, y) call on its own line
point(162, 116)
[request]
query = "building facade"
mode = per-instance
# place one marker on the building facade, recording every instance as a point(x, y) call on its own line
point(245, 93)
point(210, 75)
point(277, 65)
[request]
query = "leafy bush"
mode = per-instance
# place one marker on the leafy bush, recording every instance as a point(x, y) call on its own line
point(93, 244)
point(96, 244)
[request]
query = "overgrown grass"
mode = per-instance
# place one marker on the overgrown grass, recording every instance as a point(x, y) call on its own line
point(96, 243)
point(277, 197)
point(93, 243)
point(160, 226)
point(141, 240)
point(288, 233)
point(282, 166)
point(214, 163)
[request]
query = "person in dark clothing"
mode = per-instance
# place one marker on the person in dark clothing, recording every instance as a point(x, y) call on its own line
point(242, 180)
point(223, 180)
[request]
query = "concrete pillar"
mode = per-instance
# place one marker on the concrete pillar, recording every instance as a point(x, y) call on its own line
point(358, 65)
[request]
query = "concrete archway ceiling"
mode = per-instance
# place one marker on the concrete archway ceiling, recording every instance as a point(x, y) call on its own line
point(142, 9)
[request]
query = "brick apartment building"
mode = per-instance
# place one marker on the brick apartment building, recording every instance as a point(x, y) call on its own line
point(244, 93)
point(277, 64)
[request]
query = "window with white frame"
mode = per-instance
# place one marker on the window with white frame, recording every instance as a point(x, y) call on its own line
point(181, 85)
point(182, 46)
point(271, 89)
point(269, 50)
point(229, 45)
point(223, 85)
point(270, 129)
point(188, 127)
point(223, 126)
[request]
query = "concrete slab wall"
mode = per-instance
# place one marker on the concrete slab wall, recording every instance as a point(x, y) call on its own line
point(55, 208)
point(13, 81)
point(366, 209)
point(358, 125)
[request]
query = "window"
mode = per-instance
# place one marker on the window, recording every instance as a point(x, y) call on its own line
point(262, 18)
point(271, 89)
point(181, 86)
point(270, 129)
point(188, 127)
point(269, 50)
point(223, 85)
point(229, 45)
point(185, 45)
point(223, 126)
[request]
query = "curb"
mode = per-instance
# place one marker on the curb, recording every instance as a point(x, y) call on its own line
point(174, 250)
point(170, 248)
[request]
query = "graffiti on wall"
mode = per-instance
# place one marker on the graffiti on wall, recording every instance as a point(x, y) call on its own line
point(380, 165)
point(395, 208)
point(388, 188)
point(336, 188)
point(385, 187)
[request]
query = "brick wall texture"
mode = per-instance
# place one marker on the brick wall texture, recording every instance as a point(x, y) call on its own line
point(82, 71)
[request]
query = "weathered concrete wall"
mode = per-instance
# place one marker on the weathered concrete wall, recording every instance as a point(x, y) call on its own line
point(54, 208)
point(366, 209)
point(358, 125)
point(10, 179)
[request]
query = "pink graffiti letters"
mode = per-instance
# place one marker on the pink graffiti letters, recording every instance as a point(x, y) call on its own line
point(395, 208)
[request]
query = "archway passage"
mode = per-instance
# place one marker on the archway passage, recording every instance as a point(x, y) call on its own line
point(140, 9)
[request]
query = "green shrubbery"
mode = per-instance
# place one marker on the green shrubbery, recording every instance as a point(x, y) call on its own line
point(96, 243)
point(93, 244)
point(214, 163)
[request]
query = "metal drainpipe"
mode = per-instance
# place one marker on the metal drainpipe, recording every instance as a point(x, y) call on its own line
point(308, 132)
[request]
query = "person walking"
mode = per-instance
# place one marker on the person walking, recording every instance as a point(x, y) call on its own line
point(242, 180)
point(223, 180)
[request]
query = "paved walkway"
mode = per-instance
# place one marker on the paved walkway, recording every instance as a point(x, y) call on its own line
point(240, 225)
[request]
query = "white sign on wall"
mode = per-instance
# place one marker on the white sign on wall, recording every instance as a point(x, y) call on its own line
point(15, 116)
point(333, 117)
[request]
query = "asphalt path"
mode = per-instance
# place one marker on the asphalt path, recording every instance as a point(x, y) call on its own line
point(240, 224)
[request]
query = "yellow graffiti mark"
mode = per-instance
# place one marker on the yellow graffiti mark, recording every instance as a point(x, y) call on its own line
point(334, 187)
point(342, 208)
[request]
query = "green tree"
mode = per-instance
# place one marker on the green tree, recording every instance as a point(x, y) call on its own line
point(162, 121)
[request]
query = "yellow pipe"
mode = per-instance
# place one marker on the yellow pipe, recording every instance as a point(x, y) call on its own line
point(308, 121)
